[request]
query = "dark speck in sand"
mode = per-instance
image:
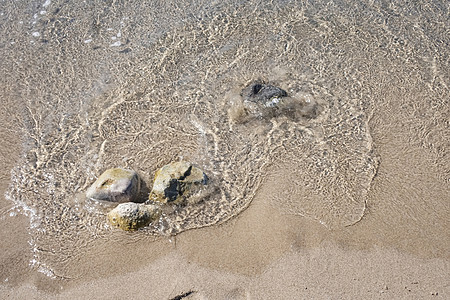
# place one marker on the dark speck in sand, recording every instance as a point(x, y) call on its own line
point(179, 297)
point(127, 50)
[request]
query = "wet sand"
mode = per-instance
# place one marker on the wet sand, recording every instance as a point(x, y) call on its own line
point(263, 253)
point(275, 248)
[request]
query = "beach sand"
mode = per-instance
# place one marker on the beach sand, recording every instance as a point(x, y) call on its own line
point(398, 249)
point(262, 253)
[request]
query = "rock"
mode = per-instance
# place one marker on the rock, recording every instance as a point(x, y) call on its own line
point(259, 100)
point(177, 181)
point(116, 185)
point(261, 93)
point(132, 216)
point(262, 101)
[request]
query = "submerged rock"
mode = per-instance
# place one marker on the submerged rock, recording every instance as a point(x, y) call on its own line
point(132, 216)
point(263, 94)
point(116, 185)
point(260, 101)
point(177, 181)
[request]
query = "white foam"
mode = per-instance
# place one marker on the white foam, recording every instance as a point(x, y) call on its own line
point(36, 34)
point(47, 3)
point(87, 41)
point(43, 269)
point(116, 44)
point(198, 126)
point(272, 103)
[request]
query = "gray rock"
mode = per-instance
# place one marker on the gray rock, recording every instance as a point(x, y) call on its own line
point(177, 181)
point(259, 100)
point(263, 94)
point(116, 185)
point(263, 101)
point(132, 216)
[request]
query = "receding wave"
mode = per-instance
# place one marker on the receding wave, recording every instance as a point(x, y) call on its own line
point(177, 96)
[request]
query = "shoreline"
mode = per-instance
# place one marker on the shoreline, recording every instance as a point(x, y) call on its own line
point(247, 253)
point(90, 85)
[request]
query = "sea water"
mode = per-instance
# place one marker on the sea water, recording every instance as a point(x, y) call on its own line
point(105, 84)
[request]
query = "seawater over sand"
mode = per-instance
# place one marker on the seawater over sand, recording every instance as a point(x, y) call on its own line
point(137, 86)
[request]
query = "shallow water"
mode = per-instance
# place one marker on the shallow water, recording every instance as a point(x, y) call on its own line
point(136, 85)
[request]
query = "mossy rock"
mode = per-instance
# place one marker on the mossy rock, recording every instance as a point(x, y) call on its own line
point(132, 216)
point(177, 181)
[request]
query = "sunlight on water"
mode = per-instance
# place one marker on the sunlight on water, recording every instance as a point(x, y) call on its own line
point(116, 91)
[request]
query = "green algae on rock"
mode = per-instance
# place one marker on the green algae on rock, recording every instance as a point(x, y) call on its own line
point(131, 216)
point(116, 185)
point(177, 181)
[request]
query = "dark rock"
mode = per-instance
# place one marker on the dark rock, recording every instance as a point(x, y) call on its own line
point(265, 94)
point(261, 101)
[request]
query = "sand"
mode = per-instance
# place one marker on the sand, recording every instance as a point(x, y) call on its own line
point(282, 245)
point(261, 254)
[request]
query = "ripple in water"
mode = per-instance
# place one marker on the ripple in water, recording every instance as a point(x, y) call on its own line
point(179, 99)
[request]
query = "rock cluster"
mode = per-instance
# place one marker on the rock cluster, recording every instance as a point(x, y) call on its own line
point(173, 184)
